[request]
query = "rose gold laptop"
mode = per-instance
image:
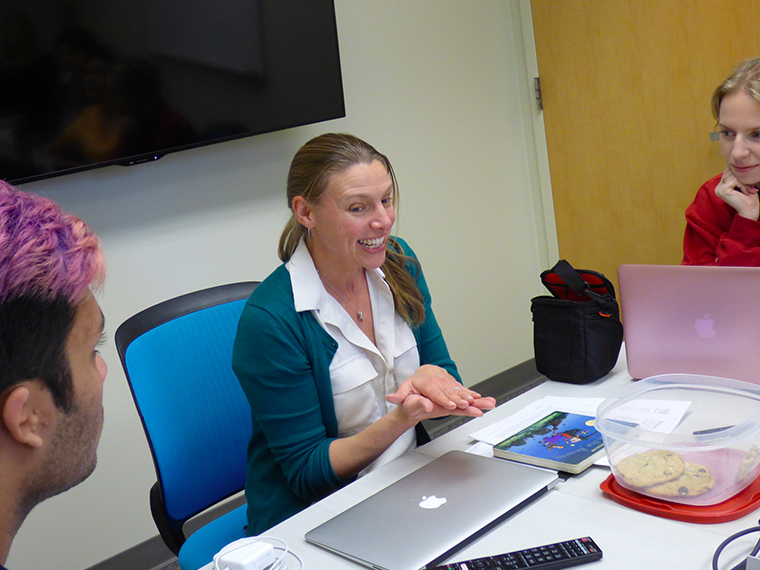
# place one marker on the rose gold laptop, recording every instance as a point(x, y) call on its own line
point(691, 319)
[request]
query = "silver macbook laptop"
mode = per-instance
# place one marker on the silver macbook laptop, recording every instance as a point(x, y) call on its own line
point(691, 319)
point(426, 516)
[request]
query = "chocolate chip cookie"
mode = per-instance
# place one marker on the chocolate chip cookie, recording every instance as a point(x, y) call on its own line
point(695, 480)
point(651, 468)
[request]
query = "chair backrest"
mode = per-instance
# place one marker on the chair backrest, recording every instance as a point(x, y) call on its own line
point(177, 357)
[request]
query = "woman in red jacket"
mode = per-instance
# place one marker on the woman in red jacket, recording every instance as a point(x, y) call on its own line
point(722, 226)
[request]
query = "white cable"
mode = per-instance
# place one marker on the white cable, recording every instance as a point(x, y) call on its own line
point(278, 564)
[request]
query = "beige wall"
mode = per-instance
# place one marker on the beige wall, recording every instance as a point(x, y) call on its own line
point(439, 86)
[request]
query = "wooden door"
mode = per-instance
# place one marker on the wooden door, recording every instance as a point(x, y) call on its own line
point(626, 89)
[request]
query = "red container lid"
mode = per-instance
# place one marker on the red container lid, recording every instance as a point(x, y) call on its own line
point(736, 507)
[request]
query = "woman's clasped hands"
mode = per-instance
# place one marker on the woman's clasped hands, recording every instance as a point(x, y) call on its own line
point(432, 392)
point(741, 197)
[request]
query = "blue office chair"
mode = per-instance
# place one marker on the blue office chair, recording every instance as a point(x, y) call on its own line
point(177, 357)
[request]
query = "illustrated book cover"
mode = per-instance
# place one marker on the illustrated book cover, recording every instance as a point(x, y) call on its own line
point(561, 440)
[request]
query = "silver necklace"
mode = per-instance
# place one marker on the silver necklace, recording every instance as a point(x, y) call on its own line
point(359, 314)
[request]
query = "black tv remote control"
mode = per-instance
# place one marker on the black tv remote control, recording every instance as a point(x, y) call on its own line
point(547, 557)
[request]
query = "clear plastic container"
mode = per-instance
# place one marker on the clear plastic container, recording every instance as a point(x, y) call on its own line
point(706, 453)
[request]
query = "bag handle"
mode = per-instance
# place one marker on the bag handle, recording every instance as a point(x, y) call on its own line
point(573, 279)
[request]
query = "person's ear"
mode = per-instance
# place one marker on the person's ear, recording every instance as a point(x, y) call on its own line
point(23, 417)
point(303, 211)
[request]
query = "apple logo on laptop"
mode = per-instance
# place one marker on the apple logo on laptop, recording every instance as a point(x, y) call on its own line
point(431, 502)
point(705, 327)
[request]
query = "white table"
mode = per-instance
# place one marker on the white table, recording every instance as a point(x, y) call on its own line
point(577, 507)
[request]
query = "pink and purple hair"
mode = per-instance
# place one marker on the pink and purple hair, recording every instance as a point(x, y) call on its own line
point(49, 261)
point(45, 252)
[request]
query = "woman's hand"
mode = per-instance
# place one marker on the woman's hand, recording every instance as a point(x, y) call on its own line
point(742, 198)
point(432, 392)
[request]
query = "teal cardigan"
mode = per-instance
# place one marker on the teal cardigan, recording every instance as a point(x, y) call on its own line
point(282, 360)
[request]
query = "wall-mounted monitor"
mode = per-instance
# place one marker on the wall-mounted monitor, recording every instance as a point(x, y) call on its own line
point(90, 83)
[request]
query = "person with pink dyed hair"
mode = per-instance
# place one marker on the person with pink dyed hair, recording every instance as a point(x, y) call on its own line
point(51, 374)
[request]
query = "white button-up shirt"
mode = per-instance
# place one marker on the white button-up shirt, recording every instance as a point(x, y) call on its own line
point(362, 373)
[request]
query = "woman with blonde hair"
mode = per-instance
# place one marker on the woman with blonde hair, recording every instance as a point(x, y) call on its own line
point(338, 350)
point(722, 226)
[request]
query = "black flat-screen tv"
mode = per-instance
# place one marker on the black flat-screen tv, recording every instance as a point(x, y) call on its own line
point(89, 83)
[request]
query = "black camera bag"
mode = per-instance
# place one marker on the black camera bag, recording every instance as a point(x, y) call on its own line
point(577, 332)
